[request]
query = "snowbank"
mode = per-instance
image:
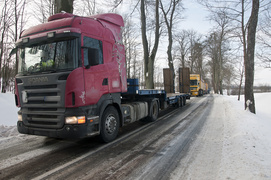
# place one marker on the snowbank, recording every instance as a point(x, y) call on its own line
point(8, 110)
point(8, 115)
point(247, 140)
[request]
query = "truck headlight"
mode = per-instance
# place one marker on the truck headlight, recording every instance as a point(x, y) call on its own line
point(20, 117)
point(75, 120)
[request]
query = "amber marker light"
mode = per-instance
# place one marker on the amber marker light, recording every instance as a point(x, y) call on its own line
point(81, 120)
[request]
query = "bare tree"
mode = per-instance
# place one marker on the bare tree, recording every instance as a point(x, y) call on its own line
point(88, 7)
point(193, 38)
point(222, 31)
point(13, 22)
point(170, 17)
point(249, 56)
point(149, 57)
point(197, 54)
point(264, 52)
point(183, 47)
point(19, 21)
point(228, 76)
point(241, 81)
point(245, 29)
point(212, 49)
point(6, 23)
point(131, 44)
point(43, 10)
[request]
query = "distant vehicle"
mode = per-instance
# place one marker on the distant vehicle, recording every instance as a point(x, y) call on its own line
point(72, 80)
point(197, 86)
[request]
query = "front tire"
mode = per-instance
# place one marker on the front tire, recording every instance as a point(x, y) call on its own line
point(110, 124)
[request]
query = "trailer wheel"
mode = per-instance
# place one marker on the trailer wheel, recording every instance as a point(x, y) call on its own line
point(110, 124)
point(184, 101)
point(154, 110)
point(179, 102)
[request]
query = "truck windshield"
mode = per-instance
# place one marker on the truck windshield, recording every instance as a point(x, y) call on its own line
point(193, 82)
point(51, 57)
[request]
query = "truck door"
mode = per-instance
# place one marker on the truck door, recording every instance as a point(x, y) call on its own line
point(96, 77)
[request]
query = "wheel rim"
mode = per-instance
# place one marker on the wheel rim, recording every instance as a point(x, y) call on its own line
point(110, 124)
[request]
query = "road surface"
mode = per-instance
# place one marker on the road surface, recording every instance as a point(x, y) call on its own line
point(156, 150)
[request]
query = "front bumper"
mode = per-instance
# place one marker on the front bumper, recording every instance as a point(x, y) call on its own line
point(194, 93)
point(74, 131)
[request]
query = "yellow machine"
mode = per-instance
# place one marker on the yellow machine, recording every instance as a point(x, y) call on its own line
point(197, 86)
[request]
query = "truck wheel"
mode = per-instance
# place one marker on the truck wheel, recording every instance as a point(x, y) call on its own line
point(200, 92)
point(110, 124)
point(154, 110)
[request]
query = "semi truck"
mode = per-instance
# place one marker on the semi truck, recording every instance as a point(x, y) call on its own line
point(72, 80)
point(197, 86)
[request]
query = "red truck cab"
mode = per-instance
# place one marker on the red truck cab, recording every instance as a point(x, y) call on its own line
point(72, 72)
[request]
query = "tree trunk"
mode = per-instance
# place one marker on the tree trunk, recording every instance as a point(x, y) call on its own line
point(3, 34)
point(156, 43)
point(64, 5)
point(249, 61)
point(170, 59)
point(240, 85)
point(145, 44)
point(149, 58)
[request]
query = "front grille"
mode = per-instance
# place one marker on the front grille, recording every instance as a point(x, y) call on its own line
point(46, 94)
point(41, 86)
point(42, 109)
point(42, 121)
point(43, 105)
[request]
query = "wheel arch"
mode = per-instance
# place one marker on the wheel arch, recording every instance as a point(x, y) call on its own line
point(116, 105)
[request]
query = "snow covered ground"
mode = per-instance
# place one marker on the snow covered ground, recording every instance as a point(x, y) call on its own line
point(8, 115)
point(233, 144)
point(247, 139)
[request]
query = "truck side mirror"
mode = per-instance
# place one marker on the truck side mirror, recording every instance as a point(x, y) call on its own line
point(91, 57)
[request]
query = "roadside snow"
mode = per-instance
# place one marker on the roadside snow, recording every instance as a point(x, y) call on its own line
point(8, 110)
point(233, 144)
point(247, 140)
point(8, 115)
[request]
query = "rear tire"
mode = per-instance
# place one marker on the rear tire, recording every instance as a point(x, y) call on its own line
point(109, 124)
point(154, 111)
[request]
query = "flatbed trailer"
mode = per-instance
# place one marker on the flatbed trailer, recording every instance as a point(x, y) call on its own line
point(136, 101)
point(165, 99)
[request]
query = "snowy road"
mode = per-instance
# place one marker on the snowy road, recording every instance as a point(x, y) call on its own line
point(142, 151)
point(212, 137)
